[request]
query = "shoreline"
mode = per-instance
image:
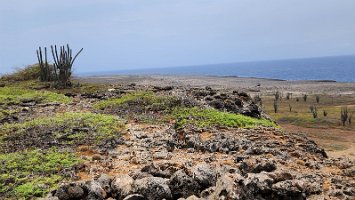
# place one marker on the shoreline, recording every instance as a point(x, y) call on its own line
point(250, 84)
point(213, 76)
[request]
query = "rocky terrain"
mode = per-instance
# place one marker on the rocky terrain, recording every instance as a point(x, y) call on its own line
point(170, 148)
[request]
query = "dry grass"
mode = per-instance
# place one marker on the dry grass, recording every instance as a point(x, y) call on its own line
point(301, 115)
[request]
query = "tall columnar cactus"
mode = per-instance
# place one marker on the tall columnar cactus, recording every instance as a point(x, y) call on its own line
point(46, 72)
point(63, 62)
point(61, 69)
point(344, 115)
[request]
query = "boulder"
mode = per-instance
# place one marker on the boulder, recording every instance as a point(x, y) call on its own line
point(204, 175)
point(105, 182)
point(183, 185)
point(153, 188)
point(69, 191)
point(122, 186)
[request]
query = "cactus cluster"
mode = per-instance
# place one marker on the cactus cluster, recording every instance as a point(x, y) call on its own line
point(60, 71)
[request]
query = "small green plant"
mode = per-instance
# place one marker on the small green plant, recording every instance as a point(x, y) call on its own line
point(305, 97)
point(15, 95)
point(33, 173)
point(61, 129)
point(276, 106)
point(314, 111)
point(317, 98)
point(212, 117)
point(344, 115)
point(30, 72)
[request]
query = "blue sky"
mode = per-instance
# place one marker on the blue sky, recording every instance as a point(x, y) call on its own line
point(127, 34)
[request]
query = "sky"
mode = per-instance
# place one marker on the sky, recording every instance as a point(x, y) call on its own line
point(131, 34)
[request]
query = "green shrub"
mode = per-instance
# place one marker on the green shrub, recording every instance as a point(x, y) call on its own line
point(16, 95)
point(212, 117)
point(33, 173)
point(30, 72)
point(147, 100)
point(62, 129)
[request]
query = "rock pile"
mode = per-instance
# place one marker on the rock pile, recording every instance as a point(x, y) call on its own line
point(264, 163)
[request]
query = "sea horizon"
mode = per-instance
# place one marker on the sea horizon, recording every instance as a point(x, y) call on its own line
point(330, 68)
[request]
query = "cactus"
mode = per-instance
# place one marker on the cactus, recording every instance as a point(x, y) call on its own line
point(289, 96)
point(61, 70)
point(317, 98)
point(277, 95)
point(325, 113)
point(314, 111)
point(344, 115)
point(63, 63)
point(46, 70)
point(276, 106)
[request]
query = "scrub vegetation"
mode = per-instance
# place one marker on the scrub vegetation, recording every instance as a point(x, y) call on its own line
point(62, 129)
point(16, 95)
point(212, 117)
point(33, 173)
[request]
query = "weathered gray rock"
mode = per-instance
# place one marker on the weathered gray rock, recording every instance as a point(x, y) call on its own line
point(134, 197)
point(183, 185)
point(122, 186)
point(228, 186)
point(105, 182)
point(257, 186)
point(69, 191)
point(95, 191)
point(291, 189)
point(193, 197)
point(153, 188)
point(204, 175)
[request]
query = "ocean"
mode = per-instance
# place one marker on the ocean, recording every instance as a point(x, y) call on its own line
point(336, 68)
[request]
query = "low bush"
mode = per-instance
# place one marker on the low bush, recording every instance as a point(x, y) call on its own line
point(59, 130)
point(33, 173)
point(212, 117)
point(30, 72)
point(16, 95)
